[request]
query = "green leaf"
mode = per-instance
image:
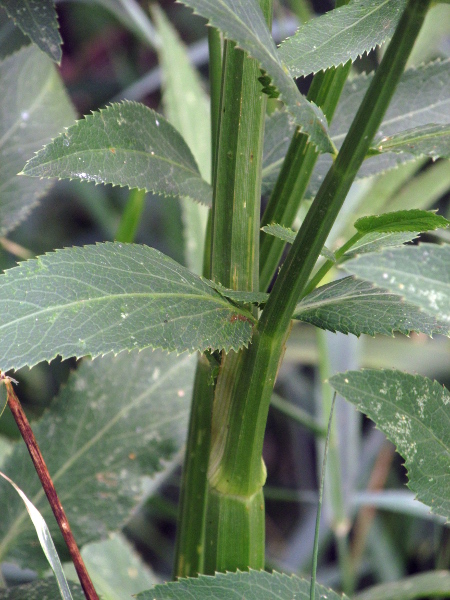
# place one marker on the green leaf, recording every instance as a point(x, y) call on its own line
point(422, 97)
point(252, 585)
point(126, 144)
point(413, 220)
point(352, 306)
point(39, 590)
point(34, 108)
point(117, 420)
point(418, 273)
point(116, 570)
point(186, 106)
point(372, 242)
point(434, 584)
point(37, 19)
point(240, 295)
point(278, 132)
point(341, 35)
point(242, 22)
point(288, 235)
point(108, 298)
point(413, 412)
point(429, 140)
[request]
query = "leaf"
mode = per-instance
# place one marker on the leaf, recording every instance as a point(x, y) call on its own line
point(413, 220)
point(252, 585)
point(39, 590)
point(242, 22)
point(357, 307)
point(341, 35)
point(428, 140)
point(422, 96)
point(434, 584)
point(34, 108)
point(372, 242)
point(38, 20)
point(117, 419)
point(288, 235)
point(45, 539)
point(126, 144)
point(413, 412)
point(115, 568)
point(186, 106)
point(240, 295)
point(108, 298)
point(419, 273)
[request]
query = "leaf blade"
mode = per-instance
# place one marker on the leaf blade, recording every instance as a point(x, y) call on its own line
point(351, 306)
point(418, 273)
point(30, 85)
point(413, 413)
point(340, 35)
point(38, 20)
point(242, 22)
point(126, 144)
point(107, 298)
point(413, 220)
point(428, 140)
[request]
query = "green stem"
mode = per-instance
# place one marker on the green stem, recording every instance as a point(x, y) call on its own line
point(238, 466)
point(298, 165)
point(131, 217)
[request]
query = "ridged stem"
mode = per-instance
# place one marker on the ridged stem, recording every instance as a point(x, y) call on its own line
point(237, 463)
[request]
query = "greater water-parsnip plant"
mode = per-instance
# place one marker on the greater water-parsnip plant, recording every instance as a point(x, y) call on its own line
point(295, 208)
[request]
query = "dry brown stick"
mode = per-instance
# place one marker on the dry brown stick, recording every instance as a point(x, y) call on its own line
point(49, 488)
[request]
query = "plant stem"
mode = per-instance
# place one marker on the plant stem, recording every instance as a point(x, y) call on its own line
point(131, 216)
point(236, 463)
point(49, 489)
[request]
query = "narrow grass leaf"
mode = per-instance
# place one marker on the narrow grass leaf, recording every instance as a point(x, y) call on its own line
point(38, 20)
point(402, 220)
point(45, 539)
point(126, 144)
point(413, 412)
point(252, 585)
point(243, 22)
point(420, 274)
point(341, 35)
point(429, 140)
point(108, 298)
point(34, 108)
point(118, 420)
point(354, 306)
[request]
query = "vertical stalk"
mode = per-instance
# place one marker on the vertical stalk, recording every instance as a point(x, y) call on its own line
point(237, 465)
point(234, 536)
point(189, 549)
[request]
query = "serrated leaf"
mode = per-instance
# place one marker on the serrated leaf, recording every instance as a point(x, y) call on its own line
point(11, 38)
point(252, 585)
point(422, 96)
point(420, 274)
point(428, 140)
point(117, 419)
point(38, 20)
point(434, 584)
point(186, 106)
point(351, 306)
point(108, 298)
point(413, 412)
point(413, 220)
point(341, 35)
point(372, 242)
point(242, 22)
point(240, 295)
point(126, 144)
point(39, 590)
point(288, 235)
point(34, 107)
